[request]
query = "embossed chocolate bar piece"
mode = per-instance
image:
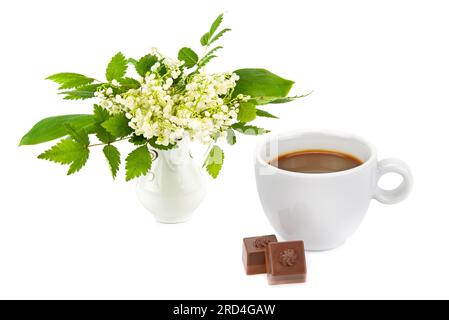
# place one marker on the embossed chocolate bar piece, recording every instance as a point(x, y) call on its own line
point(286, 262)
point(254, 253)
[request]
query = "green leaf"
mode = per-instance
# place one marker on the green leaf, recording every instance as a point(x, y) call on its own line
point(248, 130)
point(64, 152)
point(206, 60)
point(218, 35)
point(67, 151)
point(162, 70)
point(69, 80)
point(103, 135)
point(205, 39)
point(208, 57)
point(53, 128)
point(138, 163)
point(117, 125)
point(207, 36)
point(101, 115)
point(132, 61)
point(214, 161)
point(79, 136)
point(288, 99)
point(153, 143)
point(260, 101)
point(81, 93)
point(113, 157)
point(263, 113)
point(261, 82)
point(129, 83)
point(144, 64)
point(216, 24)
point(188, 56)
point(79, 162)
point(247, 112)
point(282, 100)
point(276, 100)
point(213, 50)
point(231, 138)
point(117, 67)
point(138, 140)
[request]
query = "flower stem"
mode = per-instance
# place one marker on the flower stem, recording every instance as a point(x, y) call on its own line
point(103, 144)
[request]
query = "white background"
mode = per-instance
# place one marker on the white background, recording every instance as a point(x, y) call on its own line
point(378, 68)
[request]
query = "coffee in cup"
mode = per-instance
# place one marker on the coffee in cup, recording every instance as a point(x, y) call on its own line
point(316, 186)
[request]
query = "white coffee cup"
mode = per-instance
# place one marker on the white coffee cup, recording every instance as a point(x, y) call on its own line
point(323, 209)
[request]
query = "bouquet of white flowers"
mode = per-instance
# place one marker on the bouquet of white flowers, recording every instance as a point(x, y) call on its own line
point(167, 100)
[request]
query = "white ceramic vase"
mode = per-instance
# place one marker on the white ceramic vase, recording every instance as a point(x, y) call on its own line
point(175, 186)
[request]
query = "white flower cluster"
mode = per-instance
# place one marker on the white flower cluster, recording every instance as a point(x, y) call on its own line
point(171, 105)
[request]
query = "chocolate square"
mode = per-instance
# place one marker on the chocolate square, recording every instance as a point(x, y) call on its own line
point(286, 262)
point(254, 253)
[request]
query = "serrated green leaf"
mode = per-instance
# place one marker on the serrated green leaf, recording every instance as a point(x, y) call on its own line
point(69, 80)
point(260, 83)
point(214, 161)
point(208, 56)
point(132, 61)
point(79, 136)
point(188, 56)
point(138, 163)
point(67, 151)
point(282, 100)
point(101, 115)
point(265, 114)
point(79, 162)
point(206, 60)
point(145, 63)
point(138, 140)
point(213, 50)
point(155, 145)
point(64, 152)
point(288, 99)
point(261, 101)
point(117, 67)
point(216, 24)
point(113, 157)
point(276, 100)
point(117, 125)
point(218, 35)
point(247, 112)
point(53, 128)
point(231, 137)
point(206, 38)
point(103, 135)
point(248, 130)
point(81, 93)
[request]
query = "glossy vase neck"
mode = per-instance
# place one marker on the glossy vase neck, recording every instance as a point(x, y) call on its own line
point(177, 156)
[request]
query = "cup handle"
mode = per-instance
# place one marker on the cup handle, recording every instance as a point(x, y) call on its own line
point(402, 191)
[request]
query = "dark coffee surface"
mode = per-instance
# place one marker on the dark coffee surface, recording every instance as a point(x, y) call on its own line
point(316, 161)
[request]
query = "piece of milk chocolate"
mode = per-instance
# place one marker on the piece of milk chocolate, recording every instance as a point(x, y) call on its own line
point(254, 253)
point(286, 262)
